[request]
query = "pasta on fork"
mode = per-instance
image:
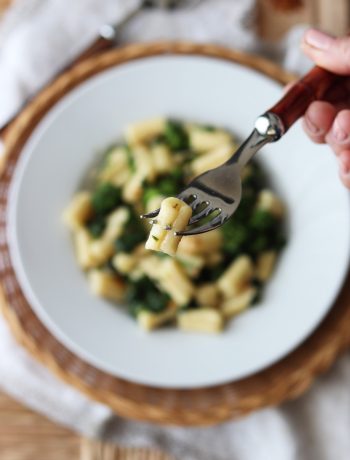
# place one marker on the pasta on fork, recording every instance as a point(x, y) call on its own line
point(173, 216)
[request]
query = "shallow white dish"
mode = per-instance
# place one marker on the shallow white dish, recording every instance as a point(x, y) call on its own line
point(311, 268)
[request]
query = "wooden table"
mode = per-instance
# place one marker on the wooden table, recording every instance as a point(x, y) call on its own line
point(26, 435)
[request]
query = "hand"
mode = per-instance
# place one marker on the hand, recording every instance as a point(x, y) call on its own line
point(329, 122)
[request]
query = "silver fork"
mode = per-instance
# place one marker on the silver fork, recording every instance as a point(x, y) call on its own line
point(218, 191)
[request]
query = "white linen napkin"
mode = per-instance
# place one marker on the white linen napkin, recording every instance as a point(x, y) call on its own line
point(38, 37)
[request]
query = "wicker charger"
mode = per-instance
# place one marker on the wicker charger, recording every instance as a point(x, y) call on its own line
point(284, 380)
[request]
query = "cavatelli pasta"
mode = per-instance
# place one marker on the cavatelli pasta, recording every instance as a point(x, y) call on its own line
point(196, 283)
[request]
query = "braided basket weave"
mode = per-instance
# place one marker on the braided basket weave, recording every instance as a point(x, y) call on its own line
point(282, 381)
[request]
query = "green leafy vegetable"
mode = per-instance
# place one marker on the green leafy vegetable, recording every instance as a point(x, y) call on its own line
point(130, 157)
point(209, 274)
point(169, 185)
point(150, 193)
point(256, 180)
point(246, 206)
point(252, 230)
point(134, 308)
point(110, 149)
point(280, 240)
point(96, 226)
point(209, 128)
point(133, 234)
point(158, 140)
point(105, 198)
point(175, 136)
point(189, 306)
point(235, 237)
point(162, 255)
point(143, 294)
point(259, 243)
point(128, 241)
point(258, 297)
point(262, 220)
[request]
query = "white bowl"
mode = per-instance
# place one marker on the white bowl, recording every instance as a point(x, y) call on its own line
point(310, 271)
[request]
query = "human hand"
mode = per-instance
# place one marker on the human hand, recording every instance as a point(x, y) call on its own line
point(329, 122)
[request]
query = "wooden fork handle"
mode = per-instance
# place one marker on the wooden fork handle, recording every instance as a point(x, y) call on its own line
point(313, 86)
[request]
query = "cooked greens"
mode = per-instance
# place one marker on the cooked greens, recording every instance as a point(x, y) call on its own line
point(105, 198)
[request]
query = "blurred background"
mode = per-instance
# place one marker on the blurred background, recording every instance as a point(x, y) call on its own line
point(275, 17)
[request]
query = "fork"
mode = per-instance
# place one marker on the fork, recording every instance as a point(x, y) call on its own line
point(218, 191)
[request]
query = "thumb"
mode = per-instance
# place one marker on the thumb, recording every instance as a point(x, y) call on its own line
point(328, 52)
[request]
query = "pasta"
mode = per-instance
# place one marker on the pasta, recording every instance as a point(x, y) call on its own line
point(197, 283)
point(268, 201)
point(162, 159)
point(191, 264)
point(82, 240)
point(204, 243)
point(212, 159)
point(203, 140)
point(208, 294)
point(149, 320)
point(78, 211)
point(100, 250)
point(115, 224)
point(201, 320)
point(139, 132)
point(171, 277)
point(116, 170)
point(124, 263)
point(154, 203)
point(106, 285)
point(236, 277)
point(265, 265)
point(235, 305)
point(173, 216)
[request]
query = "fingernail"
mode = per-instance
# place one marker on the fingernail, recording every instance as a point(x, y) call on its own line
point(344, 169)
point(339, 134)
point(344, 164)
point(313, 129)
point(318, 39)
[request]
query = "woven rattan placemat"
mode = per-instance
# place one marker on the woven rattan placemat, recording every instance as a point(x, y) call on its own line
point(284, 380)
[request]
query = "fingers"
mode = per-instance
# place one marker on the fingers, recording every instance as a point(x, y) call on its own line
point(326, 51)
point(338, 137)
point(318, 120)
point(344, 167)
point(322, 123)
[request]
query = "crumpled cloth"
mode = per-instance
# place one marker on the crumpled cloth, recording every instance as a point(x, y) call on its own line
point(39, 37)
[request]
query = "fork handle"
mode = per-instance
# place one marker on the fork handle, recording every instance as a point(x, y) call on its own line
point(313, 86)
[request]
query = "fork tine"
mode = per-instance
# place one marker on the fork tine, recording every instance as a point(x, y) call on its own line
point(150, 215)
point(195, 203)
point(194, 219)
point(186, 196)
point(215, 223)
point(183, 196)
